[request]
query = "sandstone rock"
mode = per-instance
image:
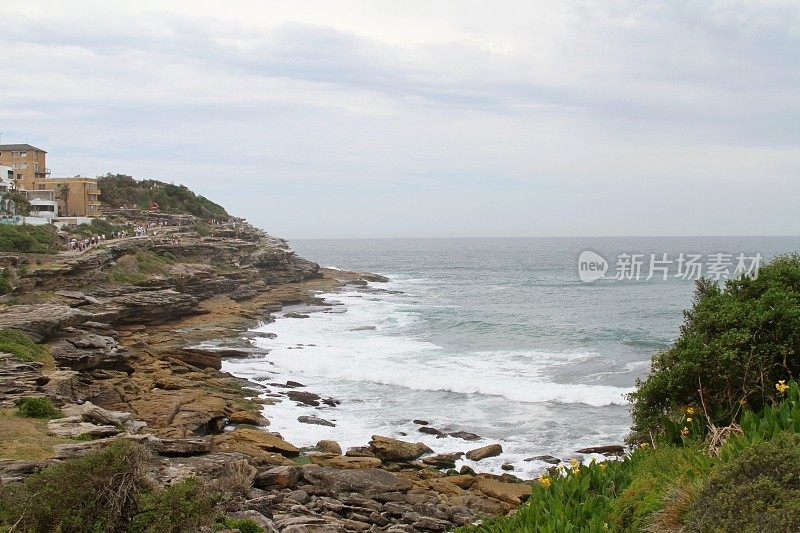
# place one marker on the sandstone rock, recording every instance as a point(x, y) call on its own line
point(279, 477)
point(507, 466)
point(430, 431)
point(79, 449)
point(83, 351)
point(367, 480)
point(306, 419)
point(481, 504)
point(75, 427)
point(12, 471)
point(443, 460)
point(360, 451)
point(255, 438)
point(248, 417)
point(544, 458)
point(293, 314)
point(178, 447)
point(393, 450)
point(199, 359)
point(97, 415)
point(463, 481)
point(329, 446)
point(427, 523)
point(41, 321)
point(343, 461)
point(491, 450)
point(512, 493)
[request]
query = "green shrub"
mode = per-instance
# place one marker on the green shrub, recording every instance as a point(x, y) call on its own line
point(29, 239)
point(204, 230)
point(21, 346)
point(138, 268)
point(759, 490)
point(185, 506)
point(98, 226)
point(37, 408)
point(5, 281)
point(95, 493)
point(735, 343)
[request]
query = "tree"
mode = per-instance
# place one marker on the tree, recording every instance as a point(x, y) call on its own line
point(736, 342)
point(62, 193)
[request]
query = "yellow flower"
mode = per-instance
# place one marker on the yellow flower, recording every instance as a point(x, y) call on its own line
point(544, 479)
point(688, 418)
point(574, 463)
point(605, 525)
point(602, 466)
point(742, 402)
point(685, 432)
point(643, 445)
point(690, 410)
point(782, 386)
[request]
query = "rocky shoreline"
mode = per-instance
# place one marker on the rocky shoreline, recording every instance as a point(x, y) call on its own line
point(137, 330)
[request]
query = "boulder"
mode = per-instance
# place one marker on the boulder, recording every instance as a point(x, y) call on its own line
point(365, 480)
point(97, 415)
point(329, 446)
point(430, 431)
point(465, 435)
point(511, 493)
point(343, 461)
point(293, 314)
point(199, 359)
point(443, 460)
point(306, 419)
point(178, 447)
point(307, 398)
point(607, 450)
point(255, 438)
point(75, 427)
point(279, 477)
point(484, 452)
point(248, 418)
point(397, 451)
point(545, 459)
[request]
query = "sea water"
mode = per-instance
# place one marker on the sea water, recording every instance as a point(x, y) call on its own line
point(498, 337)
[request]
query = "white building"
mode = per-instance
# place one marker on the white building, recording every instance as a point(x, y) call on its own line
point(43, 204)
point(6, 179)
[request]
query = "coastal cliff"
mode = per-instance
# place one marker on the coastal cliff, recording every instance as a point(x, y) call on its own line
point(135, 331)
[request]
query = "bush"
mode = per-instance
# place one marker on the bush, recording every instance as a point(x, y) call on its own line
point(5, 281)
point(37, 408)
point(735, 343)
point(95, 493)
point(138, 268)
point(28, 239)
point(759, 490)
point(244, 525)
point(98, 226)
point(21, 346)
point(185, 506)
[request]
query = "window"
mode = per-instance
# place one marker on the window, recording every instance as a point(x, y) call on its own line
point(19, 176)
point(23, 154)
point(14, 154)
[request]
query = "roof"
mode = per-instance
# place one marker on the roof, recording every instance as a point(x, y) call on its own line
point(17, 147)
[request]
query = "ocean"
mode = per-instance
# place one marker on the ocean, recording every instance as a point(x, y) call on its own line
point(495, 336)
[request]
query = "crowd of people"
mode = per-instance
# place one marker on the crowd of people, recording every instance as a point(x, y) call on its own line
point(82, 244)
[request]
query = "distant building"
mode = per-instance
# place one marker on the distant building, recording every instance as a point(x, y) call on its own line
point(27, 162)
point(43, 204)
point(78, 196)
point(7, 182)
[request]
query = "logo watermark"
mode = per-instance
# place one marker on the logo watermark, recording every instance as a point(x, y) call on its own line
point(663, 266)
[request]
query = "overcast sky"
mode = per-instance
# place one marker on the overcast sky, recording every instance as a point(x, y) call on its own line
point(427, 118)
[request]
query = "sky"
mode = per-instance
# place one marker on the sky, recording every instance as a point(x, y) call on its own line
point(338, 119)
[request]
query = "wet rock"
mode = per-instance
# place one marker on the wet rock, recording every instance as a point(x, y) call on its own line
point(293, 314)
point(329, 446)
point(544, 458)
point(484, 452)
point(507, 467)
point(367, 480)
point(279, 477)
point(464, 435)
point(609, 450)
point(198, 358)
point(306, 398)
point(311, 419)
point(398, 451)
point(421, 422)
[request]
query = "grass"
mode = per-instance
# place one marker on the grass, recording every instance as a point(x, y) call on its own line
point(21, 346)
point(26, 438)
point(28, 239)
point(37, 408)
point(138, 268)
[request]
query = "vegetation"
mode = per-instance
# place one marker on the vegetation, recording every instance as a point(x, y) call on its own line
point(98, 226)
point(22, 205)
point(37, 408)
point(21, 346)
point(26, 439)
point(29, 239)
point(138, 268)
point(120, 190)
point(736, 342)
point(109, 491)
point(716, 429)
point(5, 281)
